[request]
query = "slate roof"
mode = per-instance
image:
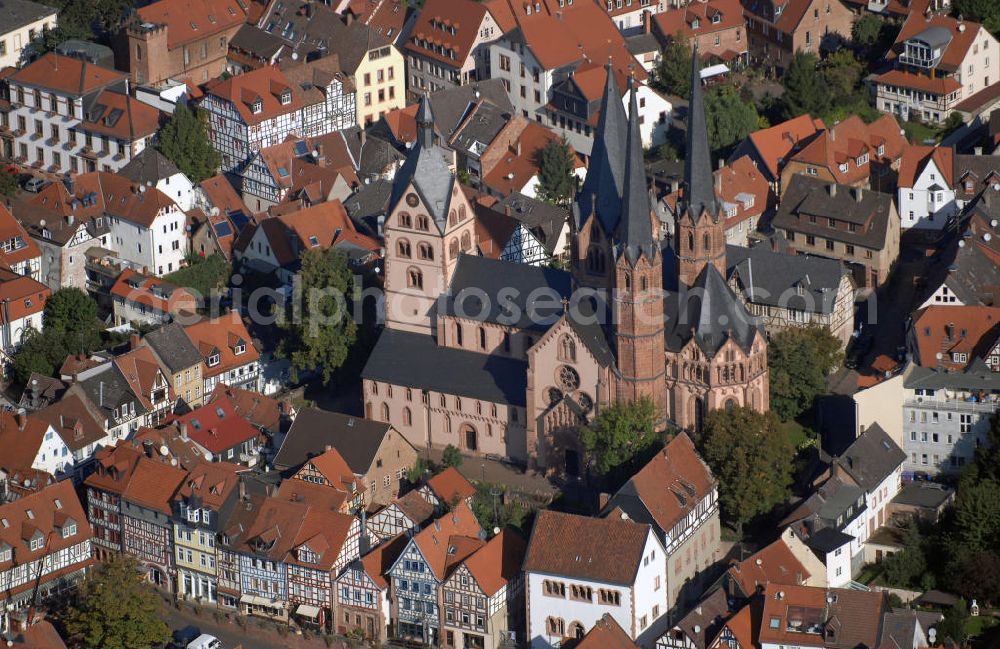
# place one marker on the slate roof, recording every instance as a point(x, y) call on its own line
point(899, 629)
point(709, 311)
point(544, 220)
point(15, 14)
point(356, 439)
point(871, 458)
point(150, 166)
point(172, 346)
point(368, 203)
point(568, 545)
point(605, 180)
point(978, 376)
point(700, 185)
point(634, 235)
point(256, 41)
point(478, 129)
point(811, 196)
point(923, 494)
point(772, 278)
point(703, 622)
point(476, 275)
point(108, 390)
point(416, 361)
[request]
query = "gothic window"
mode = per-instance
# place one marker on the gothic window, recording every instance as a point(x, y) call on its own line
point(385, 412)
point(506, 341)
point(447, 423)
point(690, 241)
point(707, 242)
point(453, 248)
point(405, 220)
point(422, 223)
point(730, 404)
point(595, 260)
point(458, 334)
point(482, 338)
point(643, 283)
point(466, 242)
point(461, 212)
point(555, 395)
point(407, 417)
point(404, 248)
point(415, 278)
point(425, 251)
point(567, 349)
point(569, 380)
point(628, 281)
point(585, 401)
point(452, 217)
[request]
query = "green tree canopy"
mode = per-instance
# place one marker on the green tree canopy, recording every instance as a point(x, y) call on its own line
point(729, 118)
point(751, 457)
point(451, 456)
point(72, 314)
point(41, 352)
point(619, 437)
point(321, 333)
point(954, 623)
point(8, 181)
point(673, 74)
point(556, 182)
point(983, 11)
point(805, 87)
point(866, 29)
point(842, 72)
point(799, 359)
point(906, 567)
point(183, 140)
point(116, 609)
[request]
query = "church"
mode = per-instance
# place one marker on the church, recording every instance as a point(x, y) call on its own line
point(508, 360)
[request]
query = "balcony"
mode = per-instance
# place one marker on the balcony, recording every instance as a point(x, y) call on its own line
point(954, 405)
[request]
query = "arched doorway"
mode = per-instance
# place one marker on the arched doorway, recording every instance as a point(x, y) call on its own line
point(469, 437)
point(730, 404)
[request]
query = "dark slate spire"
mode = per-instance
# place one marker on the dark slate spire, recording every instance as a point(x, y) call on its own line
point(425, 123)
point(698, 168)
point(635, 229)
point(602, 189)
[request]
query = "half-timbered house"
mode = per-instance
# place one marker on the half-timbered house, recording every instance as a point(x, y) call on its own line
point(448, 488)
point(407, 514)
point(421, 568)
point(234, 529)
point(483, 596)
point(362, 592)
point(262, 552)
point(326, 542)
point(330, 470)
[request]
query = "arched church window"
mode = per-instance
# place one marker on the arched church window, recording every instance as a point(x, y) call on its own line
point(422, 223)
point(453, 248)
point(628, 281)
point(730, 404)
point(466, 242)
point(385, 412)
point(403, 247)
point(405, 220)
point(482, 338)
point(452, 217)
point(690, 242)
point(447, 423)
point(415, 278)
point(595, 260)
point(585, 401)
point(461, 212)
point(407, 417)
point(707, 242)
point(425, 251)
point(567, 349)
point(458, 334)
point(555, 395)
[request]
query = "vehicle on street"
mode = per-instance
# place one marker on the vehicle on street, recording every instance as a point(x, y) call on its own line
point(205, 641)
point(35, 185)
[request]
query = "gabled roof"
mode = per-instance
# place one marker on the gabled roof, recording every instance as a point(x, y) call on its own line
point(98, 194)
point(21, 13)
point(153, 293)
point(806, 196)
point(773, 145)
point(23, 295)
point(65, 75)
point(415, 507)
point(709, 312)
point(220, 335)
point(150, 166)
point(263, 87)
point(578, 547)
point(43, 513)
point(606, 634)
point(497, 562)
point(173, 348)
point(871, 458)
point(699, 18)
point(115, 113)
point(332, 466)
point(140, 368)
point(764, 276)
point(844, 143)
point(74, 419)
point(950, 330)
point(774, 563)
point(457, 529)
point(325, 533)
point(916, 158)
point(21, 446)
point(449, 24)
point(939, 31)
point(378, 562)
point(450, 486)
point(216, 426)
point(192, 20)
point(274, 530)
point(356, 439)
point(667, 488)
point(23, 248)
point(260, 410)
point(210, 483)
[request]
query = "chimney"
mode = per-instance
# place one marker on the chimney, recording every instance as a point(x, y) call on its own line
point(507, 210)
point(133, 341)
point(718, 182)
point(832, 189)
point(647, 21)
point(243, 490)
point(69, 183)
point(858, 194)
point(147, 447)
point(348, 18)
point(184, 431)
point(320, 155)
point(327, 447)
point(977, 150)
point(364, 137)
point(22, 421)
point(722, 163)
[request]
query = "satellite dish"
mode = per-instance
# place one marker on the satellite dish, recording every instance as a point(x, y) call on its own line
point(41, 223)
point(164, 450)
point(295, 56)
point(208, 456)
point(496, 530)
point(939, 355)
point(961, 244)
point(987, 237)
point(173, 461)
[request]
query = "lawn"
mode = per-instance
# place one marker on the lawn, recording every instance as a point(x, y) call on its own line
point(202, 274)
point(918, 132)
point(976, 625)
point(797, 433)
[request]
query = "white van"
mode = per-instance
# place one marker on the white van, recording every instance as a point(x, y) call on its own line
point(205, 641)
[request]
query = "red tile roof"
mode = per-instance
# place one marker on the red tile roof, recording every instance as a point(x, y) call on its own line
point(963, 36)
point(378, 562)
point(24, 296)
point(607, 634)
point(40, 635)
point(262, 411)
point(123, 117)
point(459, 526)
point(153, 293)
point(451, 486)
point(66, 75)
point(216, 426)
point(903, 79)
point(266, 84)
point(950, 330)
point(74, 420)
point(738, 181)
point(141, 371)
point(774, 144)
point(113, 195)
point(191, 20)
point(222, 195)
point(497, 562)
point(578, 547)
point(210, 482)
point(332, 466)
point(221, 335)
point(325, 497)
point(775, 563)
point(916, 157)
point(20, 447)
point(515, 159)
point(682, 20)
point(743, 626)
point(22, 246)
point(850, 139)
point(325, 533)
point(449, 24)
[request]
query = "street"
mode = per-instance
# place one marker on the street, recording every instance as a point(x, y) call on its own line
point(253, 636)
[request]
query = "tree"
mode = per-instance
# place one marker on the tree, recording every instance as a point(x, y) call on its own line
point(492, 509)
point(805, 88)
point(842, 73)
point(977, 516)
point(556, 182)
point(183, 139)
point(905, 567)
point(41, 352)
point(752, 458)
point(619, 437)
point(954, 623)
point(8, 182)
point(984, 11)
point(866, 30)
point(116, 609)
point(322, 330)
point(729, 118)
point(673, 74)
point(799, 359)
point(978, 576)
point(72, 314)
point(451, 456)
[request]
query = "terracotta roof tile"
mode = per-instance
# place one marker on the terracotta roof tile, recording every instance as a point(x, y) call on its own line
point(44, 512)
point(378, 562)
point(122, 117)
point(962, 36)
point(211, 482)
point(261, 411)
point(216, 426)
point(574, 546)
point(497, 562)
point(916, 157)
point(451, 486)
point(951, 330)
point(901, 78)
point(22, 247)
point(845, 142)
point(20, 447)
point(449, 530)
point(607, 634)
point(774, 563)
point(774, 144)
point(217, 335)
point(449, 24)
point(191, 20)
point(153, 293)
point(67, 75)
point(266, 85)
point(24, 295)
point(682, 20)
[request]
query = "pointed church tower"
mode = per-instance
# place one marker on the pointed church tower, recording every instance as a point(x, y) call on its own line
point(700, 231)
point(638, 281)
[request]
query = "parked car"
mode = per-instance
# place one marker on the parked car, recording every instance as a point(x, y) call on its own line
point(35, 184)
point(205, 641)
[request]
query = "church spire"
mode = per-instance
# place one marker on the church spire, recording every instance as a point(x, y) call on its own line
point(425, 123)
point(698, 179)
point(635, 228)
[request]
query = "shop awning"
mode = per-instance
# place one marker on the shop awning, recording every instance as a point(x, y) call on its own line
point(261, 601)
point(307, 610)
point(714, 71)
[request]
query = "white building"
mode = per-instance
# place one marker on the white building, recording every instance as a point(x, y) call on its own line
point(22, 302)
point(578, 569)
point(926, 195)
point(23, 21)
point(152, 169)
point(654, 114)
point(68, 115)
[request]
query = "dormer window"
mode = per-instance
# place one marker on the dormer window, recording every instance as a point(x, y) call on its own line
point(862, 159)
point(716, 19)
point(257, 106)
point(36, 543)
point(214, 360)
point(193, 515)
point(69, 529)
point(695, 23)
point(843, 168)
point(4, 553)
point(286, 97)
point(881, 149)
point(239, 349)
point(306, 555)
